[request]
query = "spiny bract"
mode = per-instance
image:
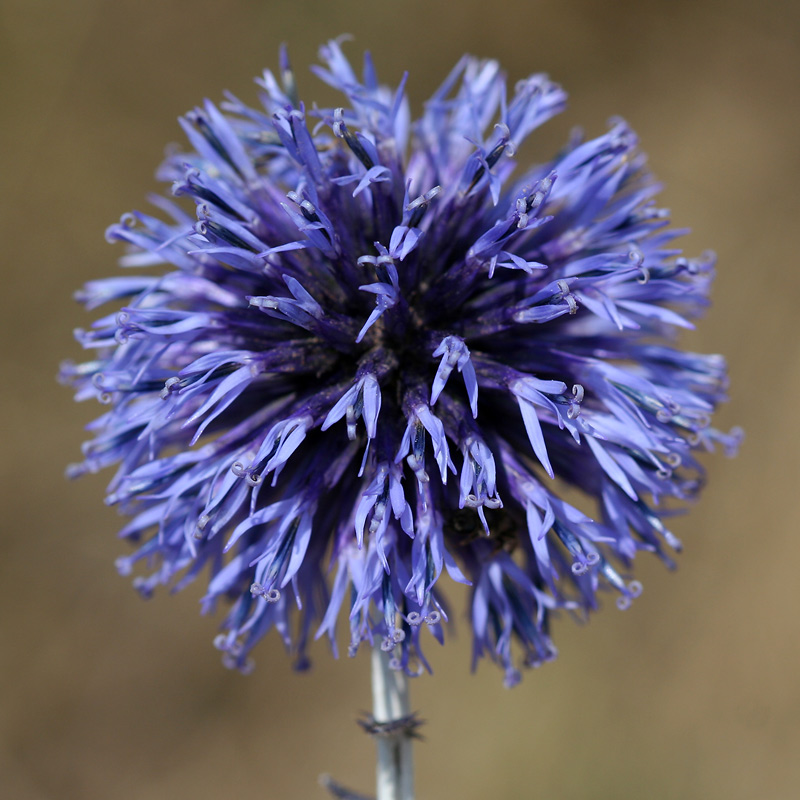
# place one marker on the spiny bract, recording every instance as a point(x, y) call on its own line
point(283, 402)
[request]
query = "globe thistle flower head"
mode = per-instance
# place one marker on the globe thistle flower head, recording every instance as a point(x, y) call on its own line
point(353, 352)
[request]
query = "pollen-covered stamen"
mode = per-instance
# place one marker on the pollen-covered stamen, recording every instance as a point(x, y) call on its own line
point(383, 264)
point(406, 237)
point(363, 399)
point(482, 163)
point(419, 419)
point(455, 353)
point(584, 557)
point(192, 185)
point(574, 404)
point(494, 247)
point(529, 204)
point(386, 291)
point(230, 234)
point(335, 331)
point(307, 208)
point(169, 387)
point(381, 496)
point(628, 592)
point(416, 460)
point(270, 595)
point(384, 493)
point(572, 303)
point(341, 130)
point(353, 412)
point(530, 393)
point(285, 550)
point(198, 119)
point(478, 480)
point(155, 323)
point(551, 301)
point(394, 635)
point(310, 220)
point(240, 471)
point(416, 208)
point(280, 443)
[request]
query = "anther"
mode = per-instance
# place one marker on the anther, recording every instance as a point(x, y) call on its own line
point(270, 595)
point(578, 393)
point(143, 587)
point(433, 618)
point(123, 565)
point(494, 156)
point(253, 478)
point(338, 122)
point(309, 212)
point(168, 384)
point(636, 256)
point(247, 667)
point(419, 442)
point(350, 418)
point(341, 130)
point(419, 206)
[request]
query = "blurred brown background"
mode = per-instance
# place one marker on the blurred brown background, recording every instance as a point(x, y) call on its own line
point(693, 693)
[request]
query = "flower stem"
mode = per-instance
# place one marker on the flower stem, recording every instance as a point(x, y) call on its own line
point(395, 768)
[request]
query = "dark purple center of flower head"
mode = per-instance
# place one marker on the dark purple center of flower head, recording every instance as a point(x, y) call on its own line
point(368, 347)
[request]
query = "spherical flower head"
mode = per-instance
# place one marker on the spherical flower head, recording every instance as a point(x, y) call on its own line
point(354, 351)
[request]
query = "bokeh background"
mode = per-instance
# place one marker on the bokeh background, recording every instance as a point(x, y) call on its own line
point(693, 693)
